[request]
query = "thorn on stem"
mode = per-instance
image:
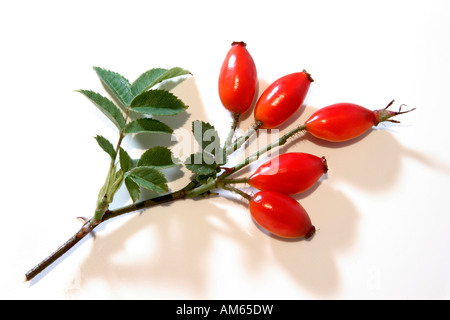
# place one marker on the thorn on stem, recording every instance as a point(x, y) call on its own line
point(82, 219)
point(227, 170)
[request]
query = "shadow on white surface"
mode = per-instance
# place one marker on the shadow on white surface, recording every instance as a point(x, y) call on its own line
point(173, 246)
point(167, 246)
point(311, 264)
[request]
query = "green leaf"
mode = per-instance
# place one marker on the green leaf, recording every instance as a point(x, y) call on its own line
point(133, 189)
point(106, 146)
point(201, 163)
point(157, 157)
point(154, 76)
point(158, 103)
point(146, 80)
point(206, 136)
point(107, 107)
point(118, 84)
point(147, 125)
point(125, 161)
point(149, 178)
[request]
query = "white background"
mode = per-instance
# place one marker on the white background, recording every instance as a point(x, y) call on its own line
point(382, 211)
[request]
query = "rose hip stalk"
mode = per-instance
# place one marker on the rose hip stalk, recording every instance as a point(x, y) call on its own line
point(282, 99)
point(345, 121)
point(289, 173)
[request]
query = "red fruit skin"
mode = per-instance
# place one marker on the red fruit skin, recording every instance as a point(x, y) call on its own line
point(340, 122)
point(289, 173)
point(281, 215)
point(238, 79)
point(282, 99)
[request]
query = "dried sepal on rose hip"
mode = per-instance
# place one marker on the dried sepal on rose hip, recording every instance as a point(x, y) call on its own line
point(281, 215)
point(282, 99)
point(238, 79)
point(289, 173)
point(345, 121)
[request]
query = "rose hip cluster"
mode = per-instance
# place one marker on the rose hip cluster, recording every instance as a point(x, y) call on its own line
point(272, 207)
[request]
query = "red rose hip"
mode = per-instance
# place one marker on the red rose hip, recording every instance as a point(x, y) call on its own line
point(289, 173)
point(238, 79)
point(281, 215)
point(346, 121)
point(282, 99)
